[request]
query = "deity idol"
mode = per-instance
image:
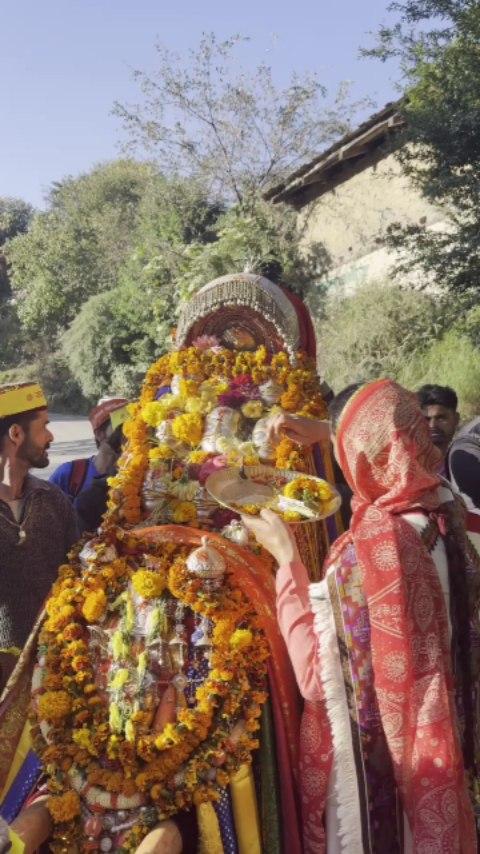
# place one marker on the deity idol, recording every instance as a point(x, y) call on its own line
point(162, 696)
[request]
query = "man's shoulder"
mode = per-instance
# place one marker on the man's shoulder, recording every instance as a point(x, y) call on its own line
point(50, 490)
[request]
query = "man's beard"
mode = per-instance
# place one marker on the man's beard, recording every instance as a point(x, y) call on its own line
point(35, 457)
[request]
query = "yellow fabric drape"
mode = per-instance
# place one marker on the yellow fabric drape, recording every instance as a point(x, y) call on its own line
point(16, 844)
point(23, 747)
point(245, 812)
point(209, 830)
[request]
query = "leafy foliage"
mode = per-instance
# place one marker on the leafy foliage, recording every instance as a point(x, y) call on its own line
point(441, 62)
point(261, 238)
point(452, 360)
point(111, 342)
point(76, 248)
point(374, 332)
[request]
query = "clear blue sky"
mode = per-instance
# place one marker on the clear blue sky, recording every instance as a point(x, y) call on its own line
point(64, 62)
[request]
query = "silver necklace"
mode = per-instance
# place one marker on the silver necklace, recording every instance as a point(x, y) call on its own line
point(22, 534)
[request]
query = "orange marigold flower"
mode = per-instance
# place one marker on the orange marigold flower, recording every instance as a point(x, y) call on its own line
point(64, 807)
point(54, 705)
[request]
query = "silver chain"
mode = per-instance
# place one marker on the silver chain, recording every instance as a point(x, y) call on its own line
point(22, 535)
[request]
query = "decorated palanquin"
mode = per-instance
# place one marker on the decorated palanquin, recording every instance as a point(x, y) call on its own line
point(162, 686)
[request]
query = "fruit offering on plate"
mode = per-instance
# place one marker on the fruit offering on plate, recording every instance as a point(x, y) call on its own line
point(307, 497)
point(297, 498)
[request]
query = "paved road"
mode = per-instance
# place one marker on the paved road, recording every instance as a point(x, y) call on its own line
point(73, 438)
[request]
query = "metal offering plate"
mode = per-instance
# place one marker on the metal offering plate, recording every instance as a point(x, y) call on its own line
point(261, 486)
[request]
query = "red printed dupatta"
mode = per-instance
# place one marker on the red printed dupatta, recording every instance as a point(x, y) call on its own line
point(387, 457)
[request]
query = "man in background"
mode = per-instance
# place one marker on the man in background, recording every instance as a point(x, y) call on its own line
point(76, 476)
point(91, 504)
point(439, 405)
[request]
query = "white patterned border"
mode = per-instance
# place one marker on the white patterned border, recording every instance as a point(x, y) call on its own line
point(346, 788)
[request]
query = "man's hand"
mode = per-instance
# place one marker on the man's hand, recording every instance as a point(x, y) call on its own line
point(34, 825)
point(304, 431)
point(274, 535)
point(163, 839)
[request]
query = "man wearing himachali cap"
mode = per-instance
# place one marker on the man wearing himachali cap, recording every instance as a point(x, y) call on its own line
point(77, 476)
point(37, 522)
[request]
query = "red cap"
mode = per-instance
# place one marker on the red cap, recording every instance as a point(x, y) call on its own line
point(100, 414)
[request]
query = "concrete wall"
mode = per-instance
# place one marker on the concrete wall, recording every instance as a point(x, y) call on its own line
point(352, 218)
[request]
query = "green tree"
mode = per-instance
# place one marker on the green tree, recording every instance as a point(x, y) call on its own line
point(15, 216)
point(76, 247)
point(117, 334)
point(202, 116)
point(438, 43)
point(261, 238)
point(119, 214)
point(112, 341)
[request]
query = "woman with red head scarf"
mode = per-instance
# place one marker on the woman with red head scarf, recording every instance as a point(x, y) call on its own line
point(384, 644)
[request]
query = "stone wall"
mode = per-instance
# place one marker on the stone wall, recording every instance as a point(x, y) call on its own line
point(352, 217)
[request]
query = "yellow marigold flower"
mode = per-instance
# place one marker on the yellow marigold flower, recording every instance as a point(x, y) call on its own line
point(64, 808)
point(241, 638)
point(214, 387)
point(154, 412)
point(220, 675)
point(149, 584)
point(197, 457)
point(80, 662)
point(261, 355)
point(251, 509)
point(54, 705)
point(188, 428)
point(280, 360)
point(112, 747)
point(160, 453)
point(184, 512)
point(168, 737)
point(94, 606)
point(291, 400)
point(222, 631)
point(307, 488)
point(197, 405)
point(252, 409)
point(59, 619)
point(291, 516)
point(83, 737)
point(188, 388)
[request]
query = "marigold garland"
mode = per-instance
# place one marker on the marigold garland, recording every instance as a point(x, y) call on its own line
point(204, 376)
point(83, 728)
point(80, 729)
